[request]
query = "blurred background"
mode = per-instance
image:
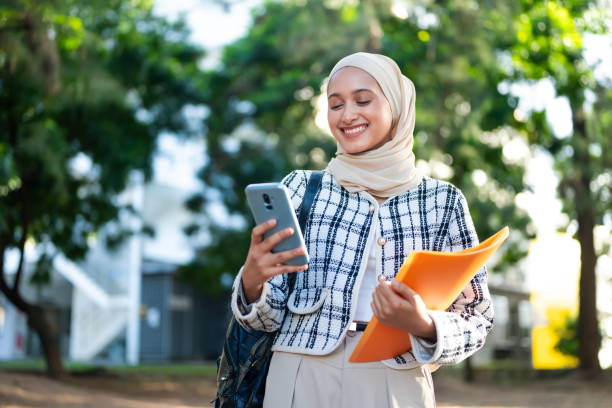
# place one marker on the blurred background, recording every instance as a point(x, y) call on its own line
point(129, 129)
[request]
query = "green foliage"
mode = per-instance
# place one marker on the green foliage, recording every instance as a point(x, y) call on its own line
point(92, 82)
point(42, 271)
point(568, 343)
point(550, 45)
point(85, 88)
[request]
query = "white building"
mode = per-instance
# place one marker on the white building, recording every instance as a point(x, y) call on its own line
point(98, 301)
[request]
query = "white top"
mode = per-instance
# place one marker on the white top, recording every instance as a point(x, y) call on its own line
point(364, 310)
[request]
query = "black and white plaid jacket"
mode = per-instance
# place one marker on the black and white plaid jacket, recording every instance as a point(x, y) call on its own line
point(432, 216)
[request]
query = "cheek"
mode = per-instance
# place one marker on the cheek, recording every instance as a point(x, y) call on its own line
point(380, 112)
point(373, 114)
point(389, 117)
point(385, 117)
point(332, 118)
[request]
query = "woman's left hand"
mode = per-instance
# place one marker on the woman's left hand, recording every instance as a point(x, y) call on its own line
point(397, 305)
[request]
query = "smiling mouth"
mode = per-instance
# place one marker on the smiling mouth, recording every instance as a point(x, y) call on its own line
point(355, 130)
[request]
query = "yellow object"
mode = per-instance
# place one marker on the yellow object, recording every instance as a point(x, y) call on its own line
point(555, 262)
point(438, 277)
point(545, 356)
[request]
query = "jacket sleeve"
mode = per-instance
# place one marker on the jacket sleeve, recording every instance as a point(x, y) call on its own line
point(463, 327)
point(267, 313)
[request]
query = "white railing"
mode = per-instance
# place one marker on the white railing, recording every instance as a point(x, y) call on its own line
point(93, 326)
point(99, 307)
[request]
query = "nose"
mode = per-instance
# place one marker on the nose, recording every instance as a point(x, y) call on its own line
point(348, 114)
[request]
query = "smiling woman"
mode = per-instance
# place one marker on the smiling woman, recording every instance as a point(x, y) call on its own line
point(373, 208)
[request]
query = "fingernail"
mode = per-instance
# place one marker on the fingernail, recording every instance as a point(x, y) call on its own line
point(305, 267)
point(290, 230)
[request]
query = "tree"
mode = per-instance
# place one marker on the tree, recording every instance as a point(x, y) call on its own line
point(263, 95)
point(93, 82)
point(549, 45)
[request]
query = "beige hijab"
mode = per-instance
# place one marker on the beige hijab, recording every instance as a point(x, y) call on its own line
point(388, 170)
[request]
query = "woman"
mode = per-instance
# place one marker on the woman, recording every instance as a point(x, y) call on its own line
point(372, 210)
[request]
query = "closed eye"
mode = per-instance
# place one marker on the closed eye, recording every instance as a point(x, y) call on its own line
point(336, 107)
point(363, 103)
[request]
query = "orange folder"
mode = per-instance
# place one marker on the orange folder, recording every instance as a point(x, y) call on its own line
point(438, 277)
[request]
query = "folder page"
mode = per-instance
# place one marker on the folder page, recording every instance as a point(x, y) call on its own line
point(438, 277)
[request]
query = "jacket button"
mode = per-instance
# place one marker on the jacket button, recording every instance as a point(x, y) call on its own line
point(371, 208)
point(382, 241)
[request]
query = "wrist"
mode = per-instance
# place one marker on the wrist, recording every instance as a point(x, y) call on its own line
point(423, 327)
point(252, 290)
point(427, 329)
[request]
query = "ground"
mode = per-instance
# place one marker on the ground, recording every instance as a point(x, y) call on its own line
point(27, 390)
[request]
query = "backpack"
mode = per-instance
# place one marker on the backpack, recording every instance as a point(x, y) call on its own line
point(243, 365)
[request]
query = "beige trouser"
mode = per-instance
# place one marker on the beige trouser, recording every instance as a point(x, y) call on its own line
point(304, 381)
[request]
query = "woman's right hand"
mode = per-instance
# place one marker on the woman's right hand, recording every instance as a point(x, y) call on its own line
point(261, 264)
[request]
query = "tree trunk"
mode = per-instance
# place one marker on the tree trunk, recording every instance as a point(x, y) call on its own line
point(588, 330)
point(38, 320)
point(48, 334)
point(46, 330)
point(468, 371)
point(588, 325)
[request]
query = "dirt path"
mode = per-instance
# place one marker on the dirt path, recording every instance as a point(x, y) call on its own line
point(34, 391)
point(548, 393)
point(19, 390)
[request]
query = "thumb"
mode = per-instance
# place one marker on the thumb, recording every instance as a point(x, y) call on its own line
point(403, 290)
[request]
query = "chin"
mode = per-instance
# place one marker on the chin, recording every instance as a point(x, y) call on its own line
point(354, 149)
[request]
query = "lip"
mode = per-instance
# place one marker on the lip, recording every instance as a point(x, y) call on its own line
point(351, 130)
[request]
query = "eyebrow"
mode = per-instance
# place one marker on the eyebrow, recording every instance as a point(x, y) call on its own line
point(354, 92)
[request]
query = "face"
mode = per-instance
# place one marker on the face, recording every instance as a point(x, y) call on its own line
point(358, 112)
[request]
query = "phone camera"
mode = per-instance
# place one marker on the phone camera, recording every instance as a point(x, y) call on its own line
point(266, 199)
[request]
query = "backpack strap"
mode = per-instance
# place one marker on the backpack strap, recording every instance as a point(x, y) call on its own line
point(314, 183)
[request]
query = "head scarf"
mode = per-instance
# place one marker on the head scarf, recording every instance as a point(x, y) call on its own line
point(390, 169)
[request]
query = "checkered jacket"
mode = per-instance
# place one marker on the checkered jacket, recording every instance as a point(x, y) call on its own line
point(432, 216)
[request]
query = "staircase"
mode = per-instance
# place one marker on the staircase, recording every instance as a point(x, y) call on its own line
point(106, 287)
point(100, 308)
point(95, 327)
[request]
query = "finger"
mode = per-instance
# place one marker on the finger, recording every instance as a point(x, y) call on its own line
point(403, 290)
point(383, 298)
point(281, 269)
point(275, 238)
point(259, 230)
point(376, 307)
point(384, 288)
point(389, 299)
point(280, 257)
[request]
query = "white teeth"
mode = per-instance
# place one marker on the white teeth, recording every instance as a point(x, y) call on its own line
point(355, 130)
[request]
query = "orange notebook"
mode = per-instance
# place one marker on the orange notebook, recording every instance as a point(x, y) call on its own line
point(438, 277)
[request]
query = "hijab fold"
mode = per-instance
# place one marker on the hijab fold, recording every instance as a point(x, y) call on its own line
point(390, 169)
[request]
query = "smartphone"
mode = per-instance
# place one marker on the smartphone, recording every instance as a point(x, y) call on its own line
point(271, 200)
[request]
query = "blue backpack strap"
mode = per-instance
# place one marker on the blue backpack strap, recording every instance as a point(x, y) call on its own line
point(314, 183)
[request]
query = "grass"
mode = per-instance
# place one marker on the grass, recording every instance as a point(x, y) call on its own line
point(174, 370)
